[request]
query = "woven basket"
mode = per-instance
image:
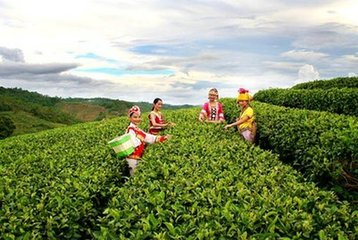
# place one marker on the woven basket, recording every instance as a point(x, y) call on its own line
point(123, 146)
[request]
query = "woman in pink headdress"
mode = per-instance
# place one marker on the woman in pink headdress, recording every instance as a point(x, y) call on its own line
point(246, 123)
point(212, 111)
point(140, 138)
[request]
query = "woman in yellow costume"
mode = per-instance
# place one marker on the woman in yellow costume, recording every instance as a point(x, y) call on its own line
point(246, 122)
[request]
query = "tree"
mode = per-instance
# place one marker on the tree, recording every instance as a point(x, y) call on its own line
point(7, 127)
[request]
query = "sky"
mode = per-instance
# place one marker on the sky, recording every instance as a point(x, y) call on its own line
point(138, 50)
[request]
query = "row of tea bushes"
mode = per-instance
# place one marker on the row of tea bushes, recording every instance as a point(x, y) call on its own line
point(340, 101)
point(55, 184)
point(207, 183)
point(340, 82)
point(324, 146)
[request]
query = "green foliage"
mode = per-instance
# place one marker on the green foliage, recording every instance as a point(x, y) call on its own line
point(29, 97)
point(52, 115)
point(324, 146)
point(340, 101)
point(204, 183)
point(4, 106)
point(7, 127)
point(118, 106)
point(56, 183)
point(31, 112)
point(340, 82)
point(207, 183)
point(28, 123)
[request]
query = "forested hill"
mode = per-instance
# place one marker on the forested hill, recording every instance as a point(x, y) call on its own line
point(22, 111)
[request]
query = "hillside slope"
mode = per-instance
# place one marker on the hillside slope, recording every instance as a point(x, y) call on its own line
point(32, 112)
point(83, 111)
point(26, 122)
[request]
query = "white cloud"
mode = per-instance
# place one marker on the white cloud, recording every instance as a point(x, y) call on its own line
point(307, 73)
point(253, 44)
point(304, 55)
point(347, 12)
point(353, 59)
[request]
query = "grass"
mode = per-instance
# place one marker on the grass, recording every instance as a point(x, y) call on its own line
point(27, 123)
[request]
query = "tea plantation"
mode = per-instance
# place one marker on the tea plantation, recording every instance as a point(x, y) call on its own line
point(204, 183)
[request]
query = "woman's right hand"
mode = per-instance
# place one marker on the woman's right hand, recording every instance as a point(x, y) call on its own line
point(171, 124)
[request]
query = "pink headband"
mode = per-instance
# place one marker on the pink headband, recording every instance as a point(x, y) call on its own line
point(134, 109)
point(243, 90)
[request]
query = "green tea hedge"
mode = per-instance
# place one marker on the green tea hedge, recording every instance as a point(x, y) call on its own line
point(340, 101)
point(340, 82)
point(207, 183)
point(324, 146)
point(55, 184)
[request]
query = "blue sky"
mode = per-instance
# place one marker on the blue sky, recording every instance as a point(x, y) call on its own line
point(177, 50)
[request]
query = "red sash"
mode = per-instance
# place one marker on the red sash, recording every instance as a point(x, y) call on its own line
point(139, 150)
point(158, 119)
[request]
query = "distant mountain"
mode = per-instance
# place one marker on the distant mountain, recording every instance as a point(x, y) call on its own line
point(33, 112)
point(119, 107)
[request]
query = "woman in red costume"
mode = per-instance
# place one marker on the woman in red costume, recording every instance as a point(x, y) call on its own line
point(139, 137)
point(156, 118)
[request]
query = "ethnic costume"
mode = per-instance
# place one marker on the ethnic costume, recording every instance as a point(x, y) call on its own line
point(140, 139)
point(159, 118)
point(247, 128)
point(213, 113)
